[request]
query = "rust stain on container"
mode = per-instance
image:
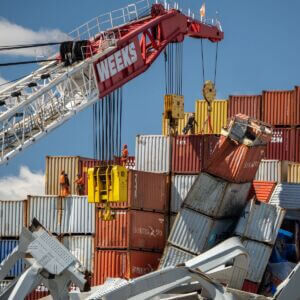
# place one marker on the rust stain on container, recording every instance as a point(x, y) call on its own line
point(235, 163)
point(282, 145)
point(131, 229)
point(209, 143)
point(293, 173)
point(248, 105)
point(279, 107)
point(147, 191)
point(187, 154)
point(123, 264)
point(262, 190)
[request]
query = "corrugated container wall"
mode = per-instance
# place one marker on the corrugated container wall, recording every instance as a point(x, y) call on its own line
point(282, 144)
point(293, 173)
point(262, 190)
point(260, 221)
point(251, 287)
point(40, 292)
point(279, 107)
point(12, 218)
point(197, 233)
point(217, 198)
point(181, 185)
point(218, 116)
point(6, 247)
point(187, 154)
point(259, 257)
point(272, 170)
point(286, 195)
point(209, 143)
point(82, 247)
point(72, 165)
point(247, 105)
point(181, 124)
point(153, 153)
point(123, 264)
point(297, 93)
point(131, 229)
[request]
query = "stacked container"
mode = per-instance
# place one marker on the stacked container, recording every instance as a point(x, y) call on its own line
point(131, 244)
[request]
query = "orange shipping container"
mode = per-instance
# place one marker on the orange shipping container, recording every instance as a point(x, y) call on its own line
point(279, 107)
point(262, 190)
point(146, 191)
point(248, 105)
point(123, 264)
point(209, 143)
point(235, 162)
point(131, 229)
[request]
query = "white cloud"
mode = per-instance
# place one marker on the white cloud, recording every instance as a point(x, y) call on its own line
point(12, 34)
point(18, 187)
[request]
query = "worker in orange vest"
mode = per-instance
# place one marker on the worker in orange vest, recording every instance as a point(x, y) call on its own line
point(64, 184)
point(67, 185)
point(124, 155)
point(80, 185)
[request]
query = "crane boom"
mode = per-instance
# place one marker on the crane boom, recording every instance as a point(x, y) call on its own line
point(125, 48)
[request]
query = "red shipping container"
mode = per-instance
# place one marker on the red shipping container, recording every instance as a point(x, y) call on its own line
point(282, 145)
point(279, 107)
point(262, 190)
point(297, 145)
point(209, 143)
point(235, 162)
point(247, 105)
point(187, 154)
point(146, 191)
point(40, 292)
point(251, 287)
point(131, 229)
point(125, 264)
point(297, 92)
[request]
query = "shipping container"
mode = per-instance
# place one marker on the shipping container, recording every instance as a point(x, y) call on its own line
point(235, 163)
point(7, 247)
point(40, 292)
point(261, 190)
point(286, 195)
point(279, 107)
point(82, 247)
point(180, 186)
point(247, 105)
point(297, 94)
point(259, 255)
point(131, 229)
point(282, 144)
point(173, 256)
point(62, 215)
point(297, 144)
point(197, 233)
point(187, 154)
point(250, 287)
point(12, 217)
point(181, 124)
point(209, 143)
point(260, 222)
point(218, 116)
point(72, 165)
point(153, 153)
point(172, 219)
point(272, 170)
point(216, 197)
point(293, 173)
point(125, 264)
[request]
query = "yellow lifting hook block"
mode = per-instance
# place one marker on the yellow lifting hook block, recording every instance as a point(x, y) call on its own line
point(173, 106)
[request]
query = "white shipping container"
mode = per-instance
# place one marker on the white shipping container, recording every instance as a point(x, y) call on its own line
point(12, 217)
point(259, 254)
point(272, 170)
point(153, 153)
point(173, 256)
point(216, 197)
point(260, 221)
point(82, 247)
point(197, 233)
point(286, 195)
point(181, 184)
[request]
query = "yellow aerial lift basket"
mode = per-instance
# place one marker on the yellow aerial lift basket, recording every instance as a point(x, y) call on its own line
point(107, 184)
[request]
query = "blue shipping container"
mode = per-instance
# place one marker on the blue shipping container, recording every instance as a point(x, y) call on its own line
point(6, 247)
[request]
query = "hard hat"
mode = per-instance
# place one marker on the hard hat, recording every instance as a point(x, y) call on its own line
point(125, 146)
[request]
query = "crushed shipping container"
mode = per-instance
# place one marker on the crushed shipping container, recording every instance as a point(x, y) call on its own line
point(123, 264)
point(261, 190)
point(245, 104)
point(131, 229)
point(272, 170)
point(216, 197)
point(209, 143)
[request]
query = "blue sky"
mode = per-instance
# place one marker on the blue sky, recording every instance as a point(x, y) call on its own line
point(260, 52)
